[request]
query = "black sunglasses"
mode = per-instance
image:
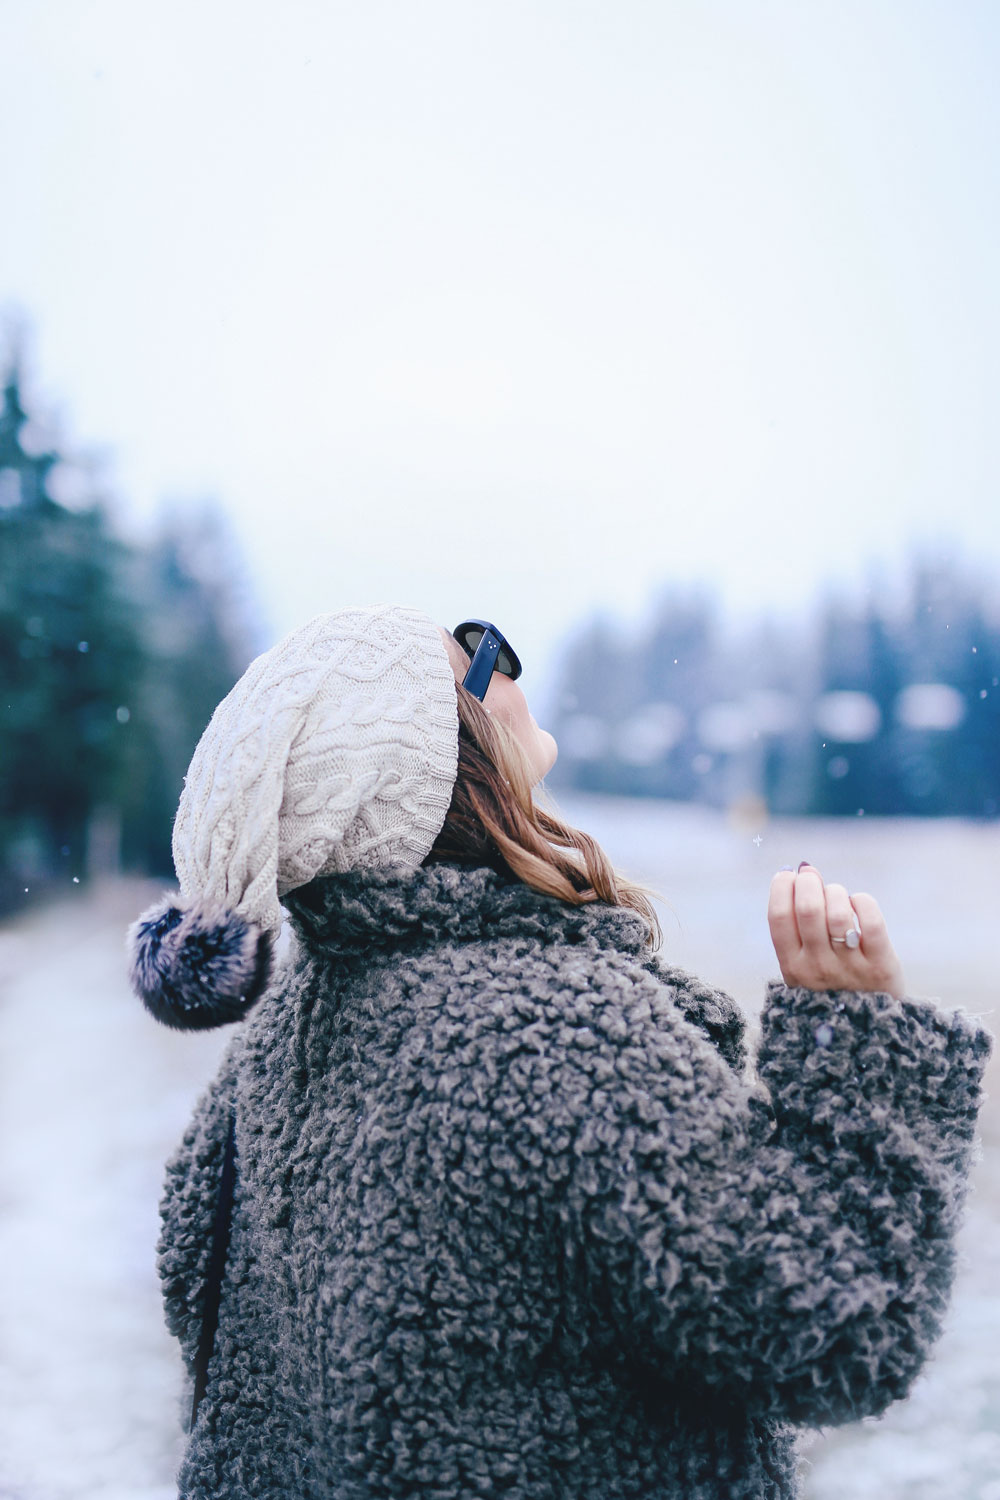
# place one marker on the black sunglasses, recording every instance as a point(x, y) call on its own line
point(489, 652)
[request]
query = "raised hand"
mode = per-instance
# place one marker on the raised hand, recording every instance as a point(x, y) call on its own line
point(810, 923)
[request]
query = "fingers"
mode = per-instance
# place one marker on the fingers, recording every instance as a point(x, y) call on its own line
point(781, 916)
point(874, 934)
point(796, 915)
point(810, 910)
point(814, 912)
point(880, 957)
point(840, 913)
point(809, 922)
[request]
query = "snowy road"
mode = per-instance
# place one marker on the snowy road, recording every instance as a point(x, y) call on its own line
point(94, 1097)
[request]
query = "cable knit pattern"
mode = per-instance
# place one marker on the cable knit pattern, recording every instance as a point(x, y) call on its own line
point(336, 750)
point(511, 1221)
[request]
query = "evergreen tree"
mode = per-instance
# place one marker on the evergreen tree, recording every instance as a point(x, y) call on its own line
point(857, 656)
point(951, 640)
point(196, 642)
point(112, 660)
point(69, 658)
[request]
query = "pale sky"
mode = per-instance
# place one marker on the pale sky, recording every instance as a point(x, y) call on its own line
point(518, 309)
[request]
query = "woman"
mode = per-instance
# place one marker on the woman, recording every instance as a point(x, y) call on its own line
point(510, 1219)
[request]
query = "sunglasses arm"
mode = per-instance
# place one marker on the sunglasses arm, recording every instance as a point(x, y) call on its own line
point(477, 678)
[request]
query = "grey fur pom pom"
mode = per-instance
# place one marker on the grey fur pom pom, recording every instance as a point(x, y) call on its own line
point(197, 966)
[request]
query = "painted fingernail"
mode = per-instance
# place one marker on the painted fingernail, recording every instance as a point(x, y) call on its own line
point(804, 865)
point(783, 868)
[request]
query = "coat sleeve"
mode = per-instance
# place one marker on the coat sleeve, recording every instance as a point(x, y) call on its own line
point(795, 1252)
point(187, 1210)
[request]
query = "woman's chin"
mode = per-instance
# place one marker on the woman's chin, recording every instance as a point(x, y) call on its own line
point(549, 751)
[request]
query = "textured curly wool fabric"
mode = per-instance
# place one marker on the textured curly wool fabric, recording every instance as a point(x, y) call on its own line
point(511, 1221)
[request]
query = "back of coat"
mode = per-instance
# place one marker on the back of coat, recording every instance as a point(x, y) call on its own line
point(511, 1221)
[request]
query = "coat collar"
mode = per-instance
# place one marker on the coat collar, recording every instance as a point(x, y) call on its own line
point(360, 914)
point(407, 908)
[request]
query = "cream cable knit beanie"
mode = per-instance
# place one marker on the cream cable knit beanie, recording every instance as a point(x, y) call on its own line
point(336, 750)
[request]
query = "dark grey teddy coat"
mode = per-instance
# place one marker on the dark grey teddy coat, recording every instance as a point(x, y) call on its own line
point(511, 1221)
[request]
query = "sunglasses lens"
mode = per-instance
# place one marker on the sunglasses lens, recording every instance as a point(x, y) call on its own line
point(500, 658)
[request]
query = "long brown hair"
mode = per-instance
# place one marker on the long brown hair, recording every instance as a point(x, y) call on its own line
point(494, 820)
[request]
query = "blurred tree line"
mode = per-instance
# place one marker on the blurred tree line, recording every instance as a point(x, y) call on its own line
point(112, 659)
point(888, 707)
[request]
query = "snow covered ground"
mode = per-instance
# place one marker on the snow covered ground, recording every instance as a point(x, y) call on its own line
point(94, 1096)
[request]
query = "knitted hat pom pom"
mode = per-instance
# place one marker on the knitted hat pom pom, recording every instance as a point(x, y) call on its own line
point(196, 966)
